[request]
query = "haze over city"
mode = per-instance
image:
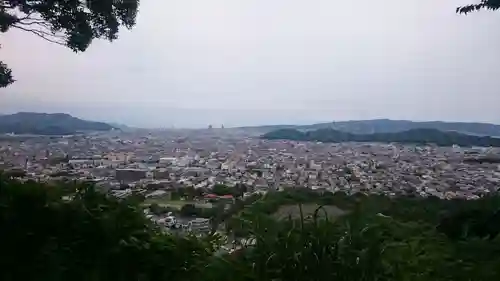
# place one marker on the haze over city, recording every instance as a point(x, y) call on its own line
point(192, 63)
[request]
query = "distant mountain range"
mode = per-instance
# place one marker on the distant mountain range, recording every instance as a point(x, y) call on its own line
point(416, 136)
point(390, 126)
point(48, 124)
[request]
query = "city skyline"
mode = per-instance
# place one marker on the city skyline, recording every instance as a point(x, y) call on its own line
point(230, 125)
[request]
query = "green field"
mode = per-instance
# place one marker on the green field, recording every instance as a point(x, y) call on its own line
point(307, 211)
point(165, 202)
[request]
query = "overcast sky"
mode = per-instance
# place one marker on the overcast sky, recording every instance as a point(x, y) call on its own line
point(190, 63)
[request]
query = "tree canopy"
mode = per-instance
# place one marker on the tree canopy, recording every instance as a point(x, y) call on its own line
point(71, 23)
point(492, 5)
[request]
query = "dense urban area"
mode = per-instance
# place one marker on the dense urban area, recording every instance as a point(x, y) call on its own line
point(162, 165)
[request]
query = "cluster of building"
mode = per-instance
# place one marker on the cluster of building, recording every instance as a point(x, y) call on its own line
point(202, 158)
point(157, 163)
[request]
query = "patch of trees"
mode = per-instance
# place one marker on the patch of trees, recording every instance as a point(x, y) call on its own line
point(14, 173)
point(161, 210)
point(482, 159)
point(236, 191)
point(191, 210)
point(464, 224)
point(189, 193)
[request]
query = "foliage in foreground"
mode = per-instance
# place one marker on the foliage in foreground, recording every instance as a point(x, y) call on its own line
point(90, 237)
point(71, 23)
point(408, 238)
point(491, 5)
point(93, 237)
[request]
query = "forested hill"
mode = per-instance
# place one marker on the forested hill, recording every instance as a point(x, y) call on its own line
point(47, 124)
point(390, 126)
point(394, 126)
point(419, 136)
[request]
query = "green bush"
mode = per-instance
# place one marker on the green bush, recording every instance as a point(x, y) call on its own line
point(91, 237)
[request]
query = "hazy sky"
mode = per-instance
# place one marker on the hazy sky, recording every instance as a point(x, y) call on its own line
point(191, 63)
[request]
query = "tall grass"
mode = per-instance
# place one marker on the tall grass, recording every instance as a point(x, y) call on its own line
point(306, 249)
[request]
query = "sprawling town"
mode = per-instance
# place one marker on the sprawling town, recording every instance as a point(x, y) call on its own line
point(157, 163)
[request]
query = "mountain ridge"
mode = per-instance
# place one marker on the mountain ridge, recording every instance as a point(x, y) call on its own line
point(389, 126)
point(48, 124)
point(414, 136)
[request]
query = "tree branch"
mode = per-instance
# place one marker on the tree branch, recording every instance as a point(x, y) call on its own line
point(31, 21)
point(25, 17)
point(470, 8)
point(43, 34)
